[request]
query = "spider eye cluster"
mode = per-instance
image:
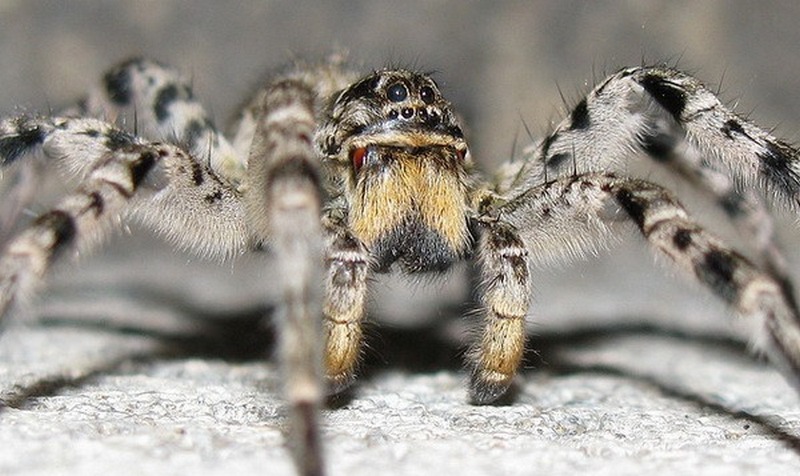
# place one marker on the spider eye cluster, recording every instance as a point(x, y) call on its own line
point(398, 92)
point(388, 108)
point(412, 98)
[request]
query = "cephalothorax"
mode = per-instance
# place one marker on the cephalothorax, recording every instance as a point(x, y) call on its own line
point(400, 158)
point(341, 177)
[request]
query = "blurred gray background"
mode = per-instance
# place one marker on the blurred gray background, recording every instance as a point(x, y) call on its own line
point(638, 372)
point(499, 61)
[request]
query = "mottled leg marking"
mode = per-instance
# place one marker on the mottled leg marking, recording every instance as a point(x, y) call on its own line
point(285, 183)
point(497, 354)
point(572, 215)
point(744, 206)
point(81, 217)
point(752, 292)
point(190, 204)
point(679, 122)
point(345, 300)
point(159, 104)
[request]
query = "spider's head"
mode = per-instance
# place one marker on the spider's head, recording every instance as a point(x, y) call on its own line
point(401, 155)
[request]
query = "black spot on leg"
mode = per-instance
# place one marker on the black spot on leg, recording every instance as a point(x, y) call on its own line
point(26, 138)
point(96, 203)
point(580, 116)
point(164, 99)
point(717, 270)
point(634, 206)
point(682, 239)
point(556, 160)
point(198, 176)
point(732, 126)
point(670, 96)
point(118, 85)
point(776, 165)
point(142, 166)
point(659, 146)
point(117, 139)
point(63, 227)
point(212, 198)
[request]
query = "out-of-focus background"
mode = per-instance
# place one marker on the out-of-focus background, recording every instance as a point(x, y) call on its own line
point(632, 374)
point(499, 61)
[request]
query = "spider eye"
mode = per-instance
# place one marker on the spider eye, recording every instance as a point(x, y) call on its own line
point(397, 92)
point(357, 157)
point(426, 94)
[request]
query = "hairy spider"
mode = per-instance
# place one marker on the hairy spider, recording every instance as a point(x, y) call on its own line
point(341, 177)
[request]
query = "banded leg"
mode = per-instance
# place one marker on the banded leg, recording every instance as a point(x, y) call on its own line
point(497, 353)
point(345, 301)
point(745, 207)
point(152, 100)
point(679, 122)
point(763, 295)
point(158, 103)
point(190, 204)
point(571, 215)
point(111, 187)
point(286, 183)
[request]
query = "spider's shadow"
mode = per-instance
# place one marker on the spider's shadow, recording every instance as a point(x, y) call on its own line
point(246, 334)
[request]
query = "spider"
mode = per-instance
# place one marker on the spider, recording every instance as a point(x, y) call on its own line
point(342, 176)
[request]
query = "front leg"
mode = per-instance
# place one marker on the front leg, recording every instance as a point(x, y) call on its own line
point(283, 198)
point(574, 216)
point(345, 300)
point(504, 270)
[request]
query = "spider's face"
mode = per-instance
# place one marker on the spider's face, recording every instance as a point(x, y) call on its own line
point(402, 155)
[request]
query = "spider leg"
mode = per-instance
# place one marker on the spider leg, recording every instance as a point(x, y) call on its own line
point(745, 207)
point(567, 217)
point(155, 101)
point(286, 183)
point(188, 202)
point(18, 192)
point(119, 173)
point(148, 99)
point(497, 353)
point(679, 122)
point(345, 301)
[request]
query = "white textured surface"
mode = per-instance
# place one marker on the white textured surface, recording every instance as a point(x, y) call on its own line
point(156, 390)
point(158, 366)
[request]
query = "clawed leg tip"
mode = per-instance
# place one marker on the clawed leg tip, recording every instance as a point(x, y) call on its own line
point(339, 384)
point(487, 393)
